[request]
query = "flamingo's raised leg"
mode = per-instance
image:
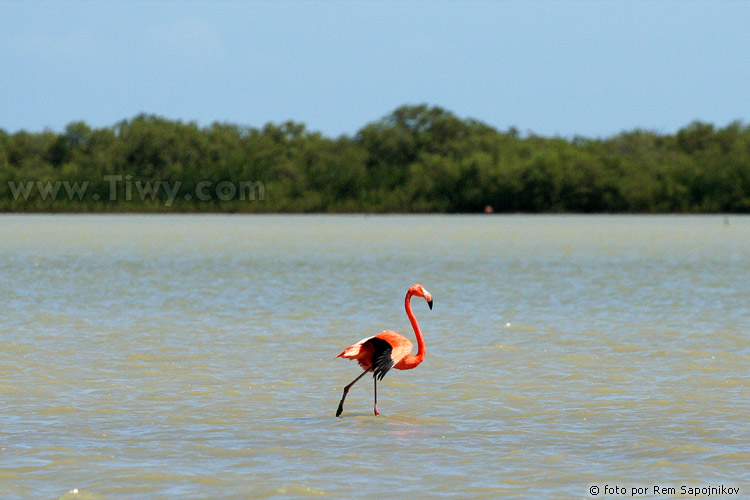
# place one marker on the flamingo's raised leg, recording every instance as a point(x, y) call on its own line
point(346, 390)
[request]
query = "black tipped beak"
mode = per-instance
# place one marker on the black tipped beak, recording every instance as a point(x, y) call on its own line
point(429, 303)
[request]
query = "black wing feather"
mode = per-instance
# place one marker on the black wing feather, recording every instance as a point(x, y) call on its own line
point(381, 358)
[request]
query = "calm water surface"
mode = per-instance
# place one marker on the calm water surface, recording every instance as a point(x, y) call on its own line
point(192, 356)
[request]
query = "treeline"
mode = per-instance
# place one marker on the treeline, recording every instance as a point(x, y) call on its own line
point(416, 159)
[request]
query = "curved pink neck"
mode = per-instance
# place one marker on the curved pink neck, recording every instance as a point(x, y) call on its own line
point(411, 361)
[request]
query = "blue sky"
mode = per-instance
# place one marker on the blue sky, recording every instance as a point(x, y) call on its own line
point(565, 68)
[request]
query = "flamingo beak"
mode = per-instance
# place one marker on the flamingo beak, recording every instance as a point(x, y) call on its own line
point(426, 296)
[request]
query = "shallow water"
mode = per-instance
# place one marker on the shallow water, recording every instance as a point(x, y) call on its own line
point(192, 356)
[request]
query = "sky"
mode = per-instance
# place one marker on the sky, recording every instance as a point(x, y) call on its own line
point(553, 68)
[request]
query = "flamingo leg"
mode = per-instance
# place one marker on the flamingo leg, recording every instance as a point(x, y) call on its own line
point(346, 390)
point(374, 379)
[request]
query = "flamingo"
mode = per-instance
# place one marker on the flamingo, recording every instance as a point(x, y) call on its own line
point(386, 350)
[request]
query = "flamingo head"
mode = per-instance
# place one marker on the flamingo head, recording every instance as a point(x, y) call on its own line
point(420, 291)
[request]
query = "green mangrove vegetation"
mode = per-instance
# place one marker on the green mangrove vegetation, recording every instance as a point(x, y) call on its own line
point(416, 159)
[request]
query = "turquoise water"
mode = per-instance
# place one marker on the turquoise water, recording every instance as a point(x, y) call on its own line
point(193, 356)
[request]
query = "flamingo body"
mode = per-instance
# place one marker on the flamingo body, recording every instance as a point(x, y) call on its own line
point(388, 349)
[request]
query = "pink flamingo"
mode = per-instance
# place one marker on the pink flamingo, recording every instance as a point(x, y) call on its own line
point(388, 349)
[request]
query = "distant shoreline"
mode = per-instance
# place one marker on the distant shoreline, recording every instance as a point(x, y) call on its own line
point(418, 159)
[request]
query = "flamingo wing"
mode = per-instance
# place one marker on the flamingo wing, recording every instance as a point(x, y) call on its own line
point(355, 351)
point(400, 345)
point(379, 353)
point(362, 351)
point(382, 359)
